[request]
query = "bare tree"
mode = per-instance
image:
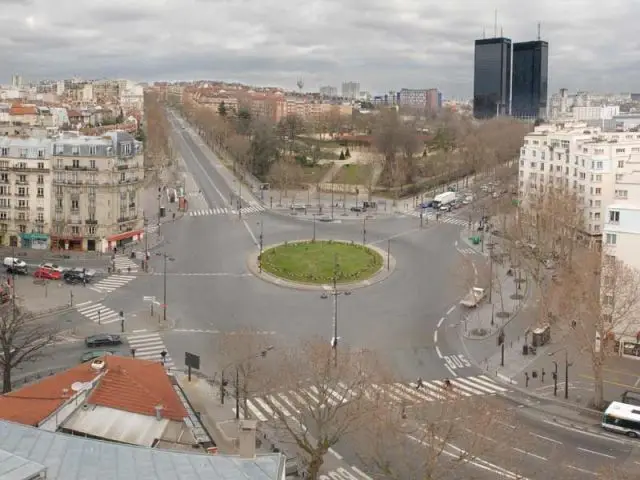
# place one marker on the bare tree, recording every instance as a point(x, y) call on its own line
point(22, 338)
point(334, 398)
point(285, 174)
point(242, 360)
point(239, 147)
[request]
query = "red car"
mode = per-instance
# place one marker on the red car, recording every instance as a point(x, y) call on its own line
point(47, 273)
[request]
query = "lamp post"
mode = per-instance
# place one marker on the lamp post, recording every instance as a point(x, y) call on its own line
point(331, 201)
point(223, 382)
point(566, 369)
point(165, 257)
point(261, 241)
point(364, 230)
point(313, 239)
point(335, 293)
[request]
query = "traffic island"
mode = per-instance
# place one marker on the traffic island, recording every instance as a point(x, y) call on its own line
point(315, 265)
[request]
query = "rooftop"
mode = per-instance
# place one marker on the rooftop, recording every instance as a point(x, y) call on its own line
point(69, 457)
point(127, 384)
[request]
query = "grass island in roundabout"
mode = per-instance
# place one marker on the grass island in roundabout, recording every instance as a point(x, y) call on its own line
point(316, 262)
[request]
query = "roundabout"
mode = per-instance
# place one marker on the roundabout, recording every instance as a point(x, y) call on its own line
point(315, 265)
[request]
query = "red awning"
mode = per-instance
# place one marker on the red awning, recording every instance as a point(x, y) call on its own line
point(122, 236)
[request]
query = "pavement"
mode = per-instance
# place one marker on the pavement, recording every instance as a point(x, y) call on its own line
point(49, 296)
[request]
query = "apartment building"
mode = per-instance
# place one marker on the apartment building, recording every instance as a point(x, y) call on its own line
point(97, 183)
point(430, 98)
point(25, 192)
point(596, 165)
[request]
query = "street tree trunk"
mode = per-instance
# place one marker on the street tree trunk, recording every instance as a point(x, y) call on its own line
point(6, 379)
point(313, 470)
point(598, 379)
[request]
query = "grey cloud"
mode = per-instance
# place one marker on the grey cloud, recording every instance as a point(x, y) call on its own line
point(385, 45)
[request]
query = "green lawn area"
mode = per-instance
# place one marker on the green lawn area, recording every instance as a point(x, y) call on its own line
point(314, 174)
point(353, 174)
point(313, 262)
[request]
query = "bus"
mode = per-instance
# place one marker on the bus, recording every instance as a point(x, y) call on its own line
point(622, 418)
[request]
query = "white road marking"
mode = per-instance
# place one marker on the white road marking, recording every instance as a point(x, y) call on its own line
point(586, 450)
point(438, 351)
point(582, 470)
point(451, 371)
point(451, 310)
point(584, 432)
point(335, 454)
point(361, 473)
point(546, 438)
point(139, 331)
point(83, 303)
point(253, 237)
point(530, 454)
point(435, 336)
point(440, 322)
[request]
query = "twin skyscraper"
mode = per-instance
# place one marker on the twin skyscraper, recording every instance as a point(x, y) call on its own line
point(510, 78)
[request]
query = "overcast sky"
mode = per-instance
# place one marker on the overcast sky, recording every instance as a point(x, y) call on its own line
point(383, 44)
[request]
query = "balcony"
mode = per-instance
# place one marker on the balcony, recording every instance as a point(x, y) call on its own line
point(39, 221)
point(83, 168)
point(25, 194)
point(127, 219)
point(123, 167)
point(22, 182)
point(75, 220)
point(21, 207)
point(91, 222)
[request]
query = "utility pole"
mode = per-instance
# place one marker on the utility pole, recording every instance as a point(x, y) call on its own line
point(364, 231)
point(555, 379)
point(146, 244)
point(335, 310)
point(332, 201)
point(566, 373)
point(239, 199)
point(389, 254)
point(238, 394)
point(164, 300)
point(314, 228)
point(261, 238)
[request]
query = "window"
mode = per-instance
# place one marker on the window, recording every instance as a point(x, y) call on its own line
point(598, 178)
point(597, 203)
point(22, 192)
point(75, 204)
point(22, 228)
point(598, 190)
point(620, 163)
point(40, 192)
point(598, 165)
point(541, 167)
point(92, 150)
point(40, 217)
point(614, 216)
point(619, 150)
point(597, 216)
point(75, 150)
point(23, 153)
point(612, 238)
point(122, 177)
point(40, 179)
point(92, 230)
point(76, 164)
point(59, 204)
point(22, 179)
point(59, 163)
point(59, 190)
point(75, 230)
point(40, 153)
point(621, 193)
point(542, 155)
point(533, 153)
point(92, 163)
point(4, 151)
point(619, 177)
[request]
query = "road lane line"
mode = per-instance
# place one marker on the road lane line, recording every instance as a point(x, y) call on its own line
point(513, 427)
point(451, 310)
point(545, 438)
point(438, 351)
point(582, 470)
point(530, 454)
point(361, 473)
point(586, 450)
point(253, 237)
point(453, 374)
point(435, 336)
point(440, 322)
point(335, 454)
point(602, 436)
point(90, 301)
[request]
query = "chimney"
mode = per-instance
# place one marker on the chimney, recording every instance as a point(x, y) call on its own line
point(247, 438)
point(159, 412)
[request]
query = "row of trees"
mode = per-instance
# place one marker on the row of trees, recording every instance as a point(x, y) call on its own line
point(159, 156)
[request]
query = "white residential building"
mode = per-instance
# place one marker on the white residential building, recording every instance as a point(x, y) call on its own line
point(596, 165)
point(582, 114)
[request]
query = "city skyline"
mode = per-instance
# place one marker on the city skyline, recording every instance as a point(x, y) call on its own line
point(390, 46)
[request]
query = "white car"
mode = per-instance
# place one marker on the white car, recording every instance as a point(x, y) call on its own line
point(15, 265)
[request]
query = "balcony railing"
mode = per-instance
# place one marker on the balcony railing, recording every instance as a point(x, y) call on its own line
point(21, 207)
point(127, 219)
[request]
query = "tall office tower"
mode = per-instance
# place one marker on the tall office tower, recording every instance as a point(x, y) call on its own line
point(492, 77)
point(530, 79)
point(351, 90)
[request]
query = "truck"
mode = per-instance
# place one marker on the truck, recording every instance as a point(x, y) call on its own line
point(474, 297)
point(444, 200)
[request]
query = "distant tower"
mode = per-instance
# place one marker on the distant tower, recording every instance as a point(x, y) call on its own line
point(300, 84)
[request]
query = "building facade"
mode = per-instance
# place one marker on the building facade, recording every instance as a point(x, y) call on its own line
point(351, 90)
point(97, 183)
point(25, 192)
point(429, 99)
point(492, 77)
point(530, 79)
point(328, 91)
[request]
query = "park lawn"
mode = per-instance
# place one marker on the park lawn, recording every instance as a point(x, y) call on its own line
point(314, 174)
point(313, 262)
point(353, 174)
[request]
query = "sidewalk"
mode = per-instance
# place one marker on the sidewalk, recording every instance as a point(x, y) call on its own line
point(50, 296)
point(134, 322)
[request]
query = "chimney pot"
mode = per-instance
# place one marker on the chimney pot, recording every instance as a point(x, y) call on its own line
point(159, 412)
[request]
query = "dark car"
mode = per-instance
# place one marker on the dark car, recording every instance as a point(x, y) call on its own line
point(102, 340)
point(93, 354)
point(358, 209)
point(426, 204)
point(78, 275)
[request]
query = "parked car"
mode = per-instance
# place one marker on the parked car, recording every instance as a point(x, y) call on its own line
point(102, 340)
point(15, 265)
point(77, 275)
point(358, 209)
point(93, 354)
point(426, 204)
point(53, 266)
point(47, 273)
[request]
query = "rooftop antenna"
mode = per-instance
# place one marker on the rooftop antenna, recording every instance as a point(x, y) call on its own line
point(501, 31)
point(495, 23)
point(484, 32)
point(539, 25)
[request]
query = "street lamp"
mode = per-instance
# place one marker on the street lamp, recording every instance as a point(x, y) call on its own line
point(335, 293)
point(364, 230)
point(314, 228)
point(566, 370)
point(164, 296)
point(223, 382)
point(261, 242)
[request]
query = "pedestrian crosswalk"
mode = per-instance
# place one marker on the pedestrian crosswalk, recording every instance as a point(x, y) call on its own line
point(111, 283)
point(98, 313)
point(224, 211)
point(123, 264)
point(149, 346)
point(292, 403)
point(444, 218)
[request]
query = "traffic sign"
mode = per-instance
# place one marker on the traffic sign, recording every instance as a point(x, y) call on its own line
point(148, 299)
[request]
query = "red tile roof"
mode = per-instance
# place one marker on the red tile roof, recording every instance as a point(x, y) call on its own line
point(23, 110)
point(129, 384)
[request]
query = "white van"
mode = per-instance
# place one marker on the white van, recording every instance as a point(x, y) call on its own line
point(15, 265)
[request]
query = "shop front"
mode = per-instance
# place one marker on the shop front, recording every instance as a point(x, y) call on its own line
point(37, 241)
point(629, 346)
point(62, 242)
point(122, 239)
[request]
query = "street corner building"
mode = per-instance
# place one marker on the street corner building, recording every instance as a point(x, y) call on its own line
point(115, 418)
point(71, 191)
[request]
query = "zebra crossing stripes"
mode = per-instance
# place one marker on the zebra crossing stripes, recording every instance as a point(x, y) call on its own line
point(123, 263)
point(431, 217)
point(291, 403)
point(254, 208)
point(111, 283)
point(148, 346)
point(209, 211)
point(98, 313)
